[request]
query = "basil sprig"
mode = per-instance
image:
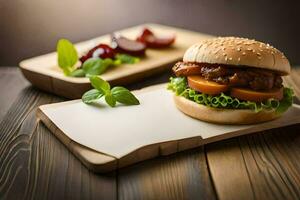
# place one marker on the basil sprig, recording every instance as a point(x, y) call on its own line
point(67, 57)
point(111, 96)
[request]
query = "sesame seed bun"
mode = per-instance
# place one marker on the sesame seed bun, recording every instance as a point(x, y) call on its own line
point(223, 116)
point(240, 52)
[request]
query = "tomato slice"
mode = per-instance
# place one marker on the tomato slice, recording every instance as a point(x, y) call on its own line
point(256, 96)
point(200, 84)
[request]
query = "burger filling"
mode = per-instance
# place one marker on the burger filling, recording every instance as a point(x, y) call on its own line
point(224, 86)
point(256, 79)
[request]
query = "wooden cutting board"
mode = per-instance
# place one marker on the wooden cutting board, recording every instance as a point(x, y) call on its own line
point(44, 73)
point(105, 138)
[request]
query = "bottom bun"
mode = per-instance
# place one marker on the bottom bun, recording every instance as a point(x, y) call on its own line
point(223, 116)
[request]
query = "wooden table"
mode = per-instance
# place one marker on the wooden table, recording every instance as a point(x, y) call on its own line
point(35, 165)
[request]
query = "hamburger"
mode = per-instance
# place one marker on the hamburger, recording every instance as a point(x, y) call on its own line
point(231, 80)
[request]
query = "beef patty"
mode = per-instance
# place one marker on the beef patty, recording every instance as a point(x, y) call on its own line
point(254, 78)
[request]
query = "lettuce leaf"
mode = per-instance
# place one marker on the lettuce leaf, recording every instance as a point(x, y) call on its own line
point(287, 100)
point(179, 86)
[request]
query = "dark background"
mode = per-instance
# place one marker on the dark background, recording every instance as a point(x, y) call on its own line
point(32, 27)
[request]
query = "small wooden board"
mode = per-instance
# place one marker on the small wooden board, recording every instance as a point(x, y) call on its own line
point(43, 72)
point(105, 138)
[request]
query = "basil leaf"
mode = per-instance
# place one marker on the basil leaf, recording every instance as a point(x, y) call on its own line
point(122, 95)
point(110, 100)
point(96, 66)
point(78, 73)
point(66, 56)
point(100, 84)
point(127, 59)
point(91, 95)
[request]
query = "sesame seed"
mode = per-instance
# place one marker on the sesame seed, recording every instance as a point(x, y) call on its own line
point(244, 53)
point(239, 59)
point(238, 49)
point(230, 58)
point(226, 58)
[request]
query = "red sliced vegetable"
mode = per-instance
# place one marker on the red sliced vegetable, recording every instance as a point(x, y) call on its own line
point(152, 41)
point(100, 51)
point(127, 46)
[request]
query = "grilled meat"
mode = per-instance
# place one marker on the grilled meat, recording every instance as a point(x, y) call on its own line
point(254, 78)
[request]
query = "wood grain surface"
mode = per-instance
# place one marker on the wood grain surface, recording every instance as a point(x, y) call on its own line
point(181, 176)
point(12, 82)
point(261, 166)
point(35, 165)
